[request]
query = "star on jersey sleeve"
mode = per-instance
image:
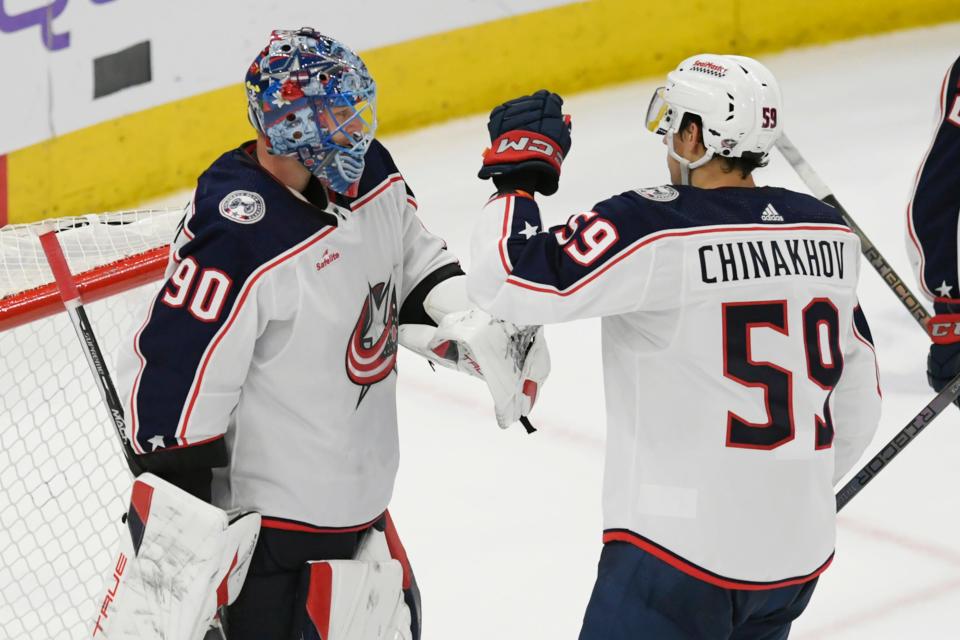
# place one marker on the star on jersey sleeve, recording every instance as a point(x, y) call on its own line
point(588, 267)
point(180, 375)
point(934, 209)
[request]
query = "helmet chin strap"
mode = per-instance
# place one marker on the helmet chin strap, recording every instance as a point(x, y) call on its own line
point(685, 165)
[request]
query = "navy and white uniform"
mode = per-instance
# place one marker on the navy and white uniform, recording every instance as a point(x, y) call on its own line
point(270, 351)
point(933, 232)
point(739, 372)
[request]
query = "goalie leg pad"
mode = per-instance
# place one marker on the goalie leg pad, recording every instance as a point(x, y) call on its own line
point(388, 545)
point(355, 600)
point(179, 561)
point(371, 597)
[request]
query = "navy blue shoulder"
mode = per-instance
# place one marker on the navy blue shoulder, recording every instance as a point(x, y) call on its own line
point(240, 203)
point(653, 209)
point(378, 168)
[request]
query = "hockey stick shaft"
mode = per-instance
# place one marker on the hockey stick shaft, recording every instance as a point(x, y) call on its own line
point(91, 348)
point(870, 251)
point(869, 471)
point(947, 395)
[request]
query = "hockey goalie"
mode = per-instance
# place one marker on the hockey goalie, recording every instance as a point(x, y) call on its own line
point(259, 387)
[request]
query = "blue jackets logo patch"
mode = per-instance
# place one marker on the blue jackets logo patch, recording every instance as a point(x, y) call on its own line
point(372, 348)
point(666, 193)
point(245, 207)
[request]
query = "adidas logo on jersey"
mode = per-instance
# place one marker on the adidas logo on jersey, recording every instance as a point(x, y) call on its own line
point(771, 215)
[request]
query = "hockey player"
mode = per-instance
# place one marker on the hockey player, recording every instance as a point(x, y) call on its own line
point(739, 374)
point(260, 386)
point(932, 231)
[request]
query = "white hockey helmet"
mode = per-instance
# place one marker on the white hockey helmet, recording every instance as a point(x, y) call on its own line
point(738, 101)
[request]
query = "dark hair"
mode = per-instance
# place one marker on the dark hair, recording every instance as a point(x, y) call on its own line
point(745, 164)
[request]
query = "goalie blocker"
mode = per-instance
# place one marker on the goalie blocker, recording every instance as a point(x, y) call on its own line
point(182, 562)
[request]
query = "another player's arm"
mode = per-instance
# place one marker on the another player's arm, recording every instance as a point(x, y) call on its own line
point(595, 265)
point(181, 373)
point(856, 398)
point(932, 226)
point(932, 215)
point(439, 322)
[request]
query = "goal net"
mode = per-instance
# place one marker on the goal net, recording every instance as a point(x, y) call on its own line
point(63, 479)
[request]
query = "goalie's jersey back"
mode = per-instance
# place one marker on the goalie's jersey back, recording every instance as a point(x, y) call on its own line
point(739, 373)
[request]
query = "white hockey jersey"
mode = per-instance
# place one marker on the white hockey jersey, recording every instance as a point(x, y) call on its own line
point(272, 345)
point(739, 373)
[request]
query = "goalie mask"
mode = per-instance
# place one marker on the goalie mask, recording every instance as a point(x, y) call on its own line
point(738, 101)
point(313, 99)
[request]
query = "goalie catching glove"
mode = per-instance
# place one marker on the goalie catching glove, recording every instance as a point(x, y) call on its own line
point(180, 561)
point(512, 360)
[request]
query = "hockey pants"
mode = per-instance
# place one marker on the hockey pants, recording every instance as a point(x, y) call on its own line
point(269, 606)
point(637, 596)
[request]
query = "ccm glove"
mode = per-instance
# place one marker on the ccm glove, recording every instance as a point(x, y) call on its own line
point(943, 365)
point(529, 138)
point(943, 362)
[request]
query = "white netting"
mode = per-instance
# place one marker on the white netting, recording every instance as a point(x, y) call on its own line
point(63, 479)
point(88, 241)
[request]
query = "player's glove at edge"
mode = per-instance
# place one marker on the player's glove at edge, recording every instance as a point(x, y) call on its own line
point(943, 361)
point(529, 139)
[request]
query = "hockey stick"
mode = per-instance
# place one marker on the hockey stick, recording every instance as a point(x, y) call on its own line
point(876, 464)
point(946, 396)
point(870, 251)
point(91, 348)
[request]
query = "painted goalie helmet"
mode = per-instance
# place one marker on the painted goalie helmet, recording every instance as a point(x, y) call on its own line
point(313, 99)
point(737, 99)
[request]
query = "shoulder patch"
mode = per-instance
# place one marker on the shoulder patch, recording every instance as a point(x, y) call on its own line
point(245, 207)
point(664, 193)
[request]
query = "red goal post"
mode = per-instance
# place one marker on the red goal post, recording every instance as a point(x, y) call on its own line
point(63, 479)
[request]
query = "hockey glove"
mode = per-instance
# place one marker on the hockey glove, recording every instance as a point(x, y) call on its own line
point(529, 138)
point(943, 365)
point(943, 362)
